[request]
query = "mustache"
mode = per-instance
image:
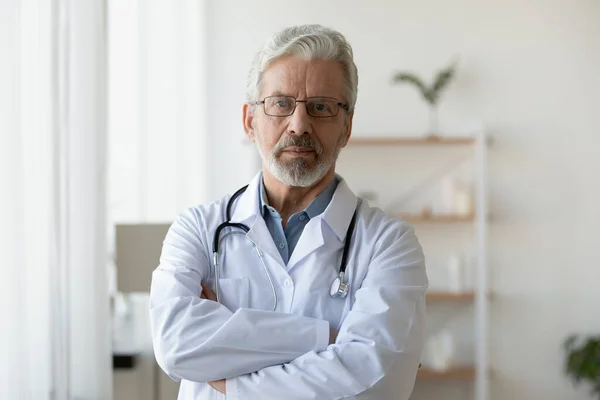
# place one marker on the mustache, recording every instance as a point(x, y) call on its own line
point(297, 141)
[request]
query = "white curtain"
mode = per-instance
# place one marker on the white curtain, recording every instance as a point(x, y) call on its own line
point(55, 335)
point(157, 109)
point(157, 134)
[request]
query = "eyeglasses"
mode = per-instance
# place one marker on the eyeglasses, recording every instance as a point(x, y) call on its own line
point(318, 107)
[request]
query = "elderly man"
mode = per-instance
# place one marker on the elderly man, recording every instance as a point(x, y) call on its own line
point(292, 288)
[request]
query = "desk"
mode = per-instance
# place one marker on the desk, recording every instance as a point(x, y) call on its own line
point(138, 377)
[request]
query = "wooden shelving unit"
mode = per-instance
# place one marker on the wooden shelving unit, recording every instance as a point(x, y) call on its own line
point(478, 298)
point(465, 373)
point(414, 141)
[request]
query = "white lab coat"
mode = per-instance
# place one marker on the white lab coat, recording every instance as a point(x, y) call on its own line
point(285, 354)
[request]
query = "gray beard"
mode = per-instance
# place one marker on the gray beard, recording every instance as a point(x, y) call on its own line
point(298, 172)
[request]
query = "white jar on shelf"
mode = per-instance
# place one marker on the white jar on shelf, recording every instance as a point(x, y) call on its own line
point(440, 350)
point(463, 200)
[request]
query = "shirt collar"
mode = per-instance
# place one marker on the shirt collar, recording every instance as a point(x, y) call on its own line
point(316, 206)
point(337, 214)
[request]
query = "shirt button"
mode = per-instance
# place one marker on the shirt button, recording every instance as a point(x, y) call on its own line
point(281, 245)
point(302, 217)
point(287, 283)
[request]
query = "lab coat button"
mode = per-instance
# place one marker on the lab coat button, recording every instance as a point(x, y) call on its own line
point(287, 283)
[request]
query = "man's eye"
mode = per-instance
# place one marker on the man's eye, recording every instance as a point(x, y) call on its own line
point(282, 103)
point(321, 107)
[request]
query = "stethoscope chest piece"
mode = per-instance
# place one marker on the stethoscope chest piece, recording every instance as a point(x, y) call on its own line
point(339, 289)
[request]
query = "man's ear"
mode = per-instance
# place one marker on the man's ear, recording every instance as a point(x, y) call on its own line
point(348, 129)
point(247, 120)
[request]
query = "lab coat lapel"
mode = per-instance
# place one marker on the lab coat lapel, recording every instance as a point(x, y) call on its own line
point(340, 210)
point(337, 216)
point(260, 235)
point(247, 211)
point(310, 240)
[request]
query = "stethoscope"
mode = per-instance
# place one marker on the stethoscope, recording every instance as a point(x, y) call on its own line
point(339, 287)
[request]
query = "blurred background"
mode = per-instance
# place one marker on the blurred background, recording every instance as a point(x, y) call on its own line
point(118, 114)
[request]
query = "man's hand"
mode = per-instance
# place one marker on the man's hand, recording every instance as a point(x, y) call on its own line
point(332, 335)
point(207, 292)
point(218, 385)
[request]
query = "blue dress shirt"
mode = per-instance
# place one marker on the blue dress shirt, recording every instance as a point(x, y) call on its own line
point(286, 239)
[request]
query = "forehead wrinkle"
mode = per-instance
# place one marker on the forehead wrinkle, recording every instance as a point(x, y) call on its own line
point(283, 84)
point(327, 84)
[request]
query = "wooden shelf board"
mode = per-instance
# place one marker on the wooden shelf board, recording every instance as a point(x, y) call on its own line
point(439, 218)
point(400, 140)
point(449, 296)
point(465, 373)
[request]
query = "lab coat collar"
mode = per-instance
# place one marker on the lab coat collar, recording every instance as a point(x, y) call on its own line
point(337, 216)
point(247, 211)
point(338, 213)
point(248, 204)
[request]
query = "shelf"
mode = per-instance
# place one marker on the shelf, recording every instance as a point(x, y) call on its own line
point(436, 218)
point(410, 141)
point(453, 374)
point(450, 297)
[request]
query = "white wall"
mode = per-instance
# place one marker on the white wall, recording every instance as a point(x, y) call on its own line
point(528, 71)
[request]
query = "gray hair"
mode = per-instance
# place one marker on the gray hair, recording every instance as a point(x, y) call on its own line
point(309, 42)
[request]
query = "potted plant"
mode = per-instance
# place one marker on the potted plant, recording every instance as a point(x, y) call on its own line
point(583, 361)
point(431, 93)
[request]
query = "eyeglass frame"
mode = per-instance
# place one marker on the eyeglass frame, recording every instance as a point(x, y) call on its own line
point(344, 106)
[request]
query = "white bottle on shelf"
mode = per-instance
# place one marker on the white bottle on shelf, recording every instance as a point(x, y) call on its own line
point(463, 200)
point(440, 349)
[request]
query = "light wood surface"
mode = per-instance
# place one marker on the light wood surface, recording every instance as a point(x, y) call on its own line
point(449, 296)
point(411, 141)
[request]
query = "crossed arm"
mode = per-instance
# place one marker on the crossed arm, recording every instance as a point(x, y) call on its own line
point(201, 340)
point(220, 385)
point(274, 355)
point(208, 294)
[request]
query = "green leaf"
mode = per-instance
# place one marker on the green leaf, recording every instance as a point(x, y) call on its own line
point(582, 362)
point(410, 78)
point(441, 81)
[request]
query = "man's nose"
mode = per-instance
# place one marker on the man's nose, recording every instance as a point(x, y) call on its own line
point(300, 121)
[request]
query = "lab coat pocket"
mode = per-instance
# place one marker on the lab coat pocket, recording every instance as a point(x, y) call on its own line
point(234, 293)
